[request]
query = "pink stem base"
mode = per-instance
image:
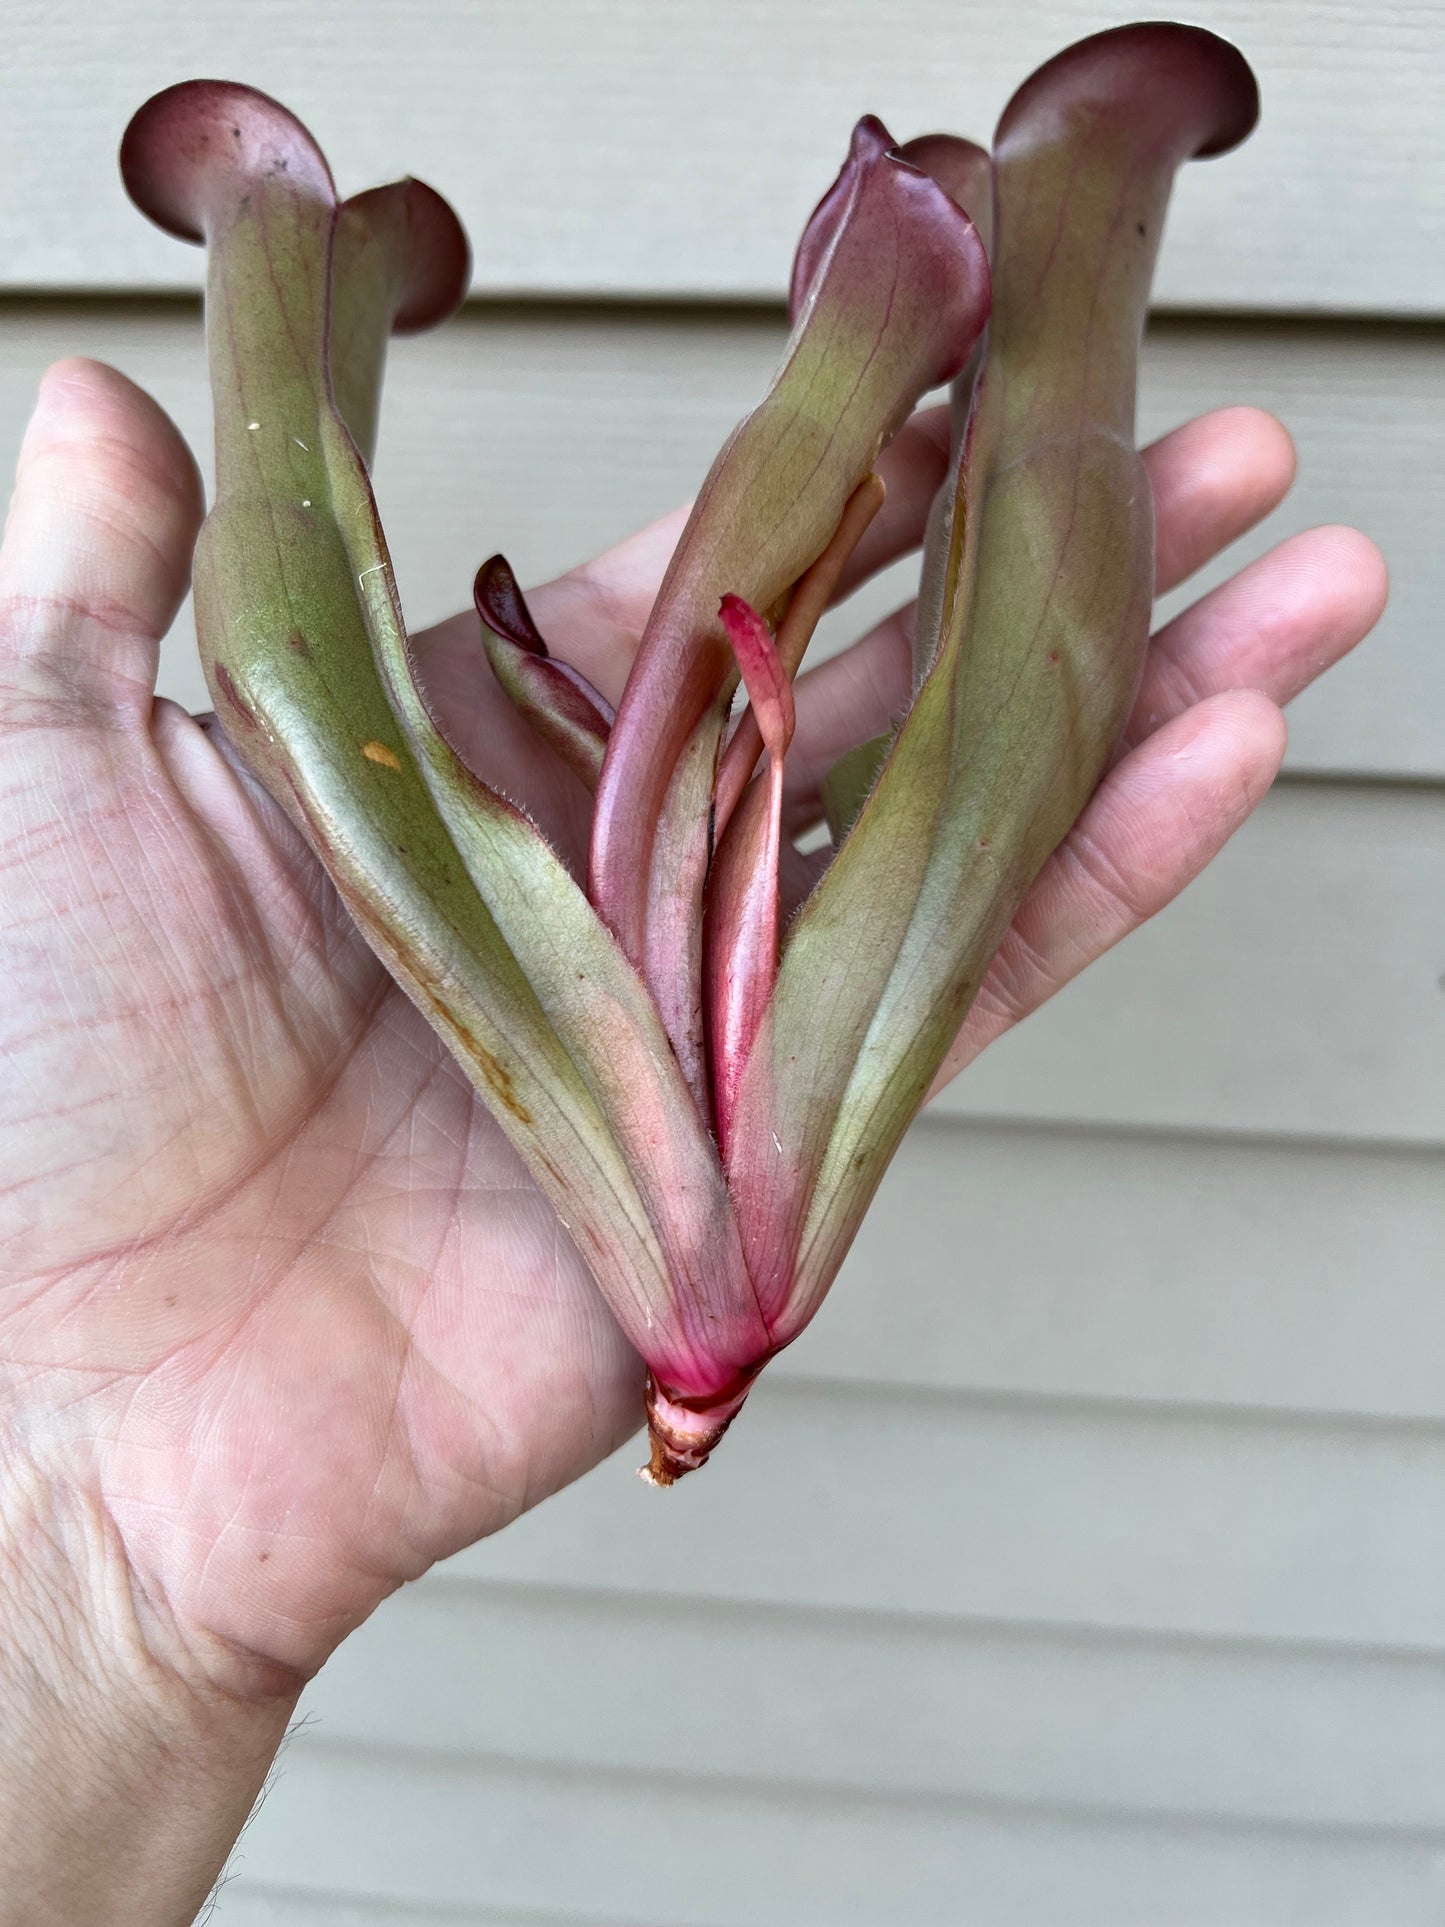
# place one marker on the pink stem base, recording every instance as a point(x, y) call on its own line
point(683, 1431)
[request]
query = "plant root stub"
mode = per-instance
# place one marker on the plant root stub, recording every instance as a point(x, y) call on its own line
point(680, 1437)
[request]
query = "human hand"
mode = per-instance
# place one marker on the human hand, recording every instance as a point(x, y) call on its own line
point(281, 1313)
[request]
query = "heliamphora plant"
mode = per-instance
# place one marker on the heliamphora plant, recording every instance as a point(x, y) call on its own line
point(708, 1093)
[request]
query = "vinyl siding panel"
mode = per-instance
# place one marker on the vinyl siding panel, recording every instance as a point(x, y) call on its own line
point(437, 1829)
point(1295, 988)
point(905, 1704)
point(267, 1906)
point(1324, 926)
point(551, 433)
point(1084, 1564)
point(595, 149)
point(1092, 1264)
point(1112, 1517)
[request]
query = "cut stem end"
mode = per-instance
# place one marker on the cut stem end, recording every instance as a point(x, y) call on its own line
point(681, 1436)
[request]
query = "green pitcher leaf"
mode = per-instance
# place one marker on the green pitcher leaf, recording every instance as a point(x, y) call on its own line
point(305, 654)
point(612, 1031)
point(897, 295)
point(400, 263)
point(845, 788)
point(1041, 632)
point(706, 1324)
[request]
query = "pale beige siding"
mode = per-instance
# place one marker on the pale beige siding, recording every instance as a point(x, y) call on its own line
point(1084, 1565)
point(550, 432)
point(654, 147)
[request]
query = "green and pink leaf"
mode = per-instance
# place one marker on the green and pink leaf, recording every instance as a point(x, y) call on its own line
point(1039, 622)
point(897, 295)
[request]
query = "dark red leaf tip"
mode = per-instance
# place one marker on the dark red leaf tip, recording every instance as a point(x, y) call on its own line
point(189, 151)
point(962, 168)
point(1196, 86)
point(882, 190)
point(870, 140)
point(436, 262)
point(503, 607)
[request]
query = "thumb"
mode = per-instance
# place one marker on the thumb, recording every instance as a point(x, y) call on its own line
point(97, 548)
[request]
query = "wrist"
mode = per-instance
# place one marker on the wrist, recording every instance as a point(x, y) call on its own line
point(126, 1771)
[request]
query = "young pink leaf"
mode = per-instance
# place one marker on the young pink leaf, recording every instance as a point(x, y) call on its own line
point(742, 915)
point(795, 632)
point(765, 676)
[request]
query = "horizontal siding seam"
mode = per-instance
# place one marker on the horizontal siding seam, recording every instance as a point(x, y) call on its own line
point(922, 1627)
point(836, 1798)
point(384, 1908)
point(1264, 1139)
point(1101, 1407)
point(1420, 1153)
point(1362, 782)
point(766, 308)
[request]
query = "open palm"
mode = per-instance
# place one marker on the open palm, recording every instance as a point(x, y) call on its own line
point(275, 1293)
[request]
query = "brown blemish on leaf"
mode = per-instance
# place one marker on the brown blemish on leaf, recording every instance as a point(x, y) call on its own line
point(494, 1074)
point(298, 644)
point(379, 753)
point(499, 1081)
